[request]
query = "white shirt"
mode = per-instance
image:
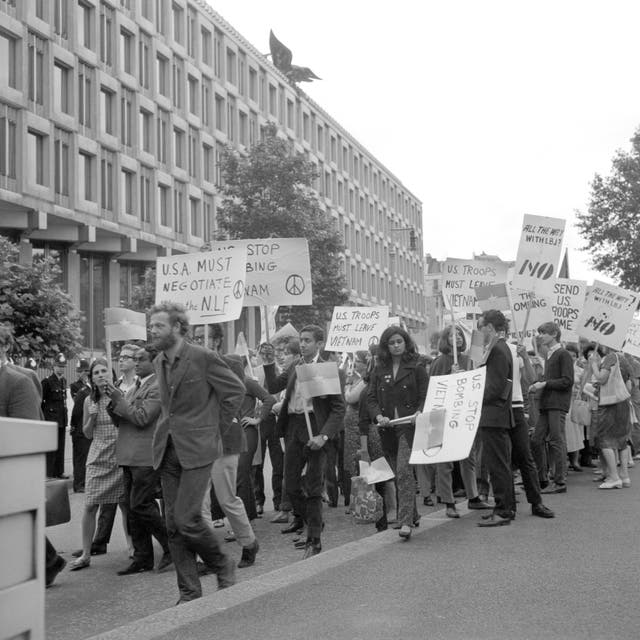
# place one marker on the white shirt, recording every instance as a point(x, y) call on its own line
point(516, 392)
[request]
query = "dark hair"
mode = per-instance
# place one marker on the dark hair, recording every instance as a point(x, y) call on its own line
point(592, 347)
point(95, 392)
point(496, 319)
point(573, 349)
point(235, 363)
point(152, 350)
point(293, 347)
point(176, 312)
point(443, 342)
point(550, 328)
point(410, 351)
point(315, 330)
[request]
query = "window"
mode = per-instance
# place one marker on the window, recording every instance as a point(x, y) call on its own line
point(126, 117)
point(207, 89)
point(207, 162)
point(273, 100)
point(60, 17)
point(253, 84)
point(107, 115)
point(107, 180)
point(253, 128)
point(36, 153)
point(178, 148)
point(8, 149)
point(146, 178)
point(178, 23)
point(162, 139)
point(289, 114)
point(144, 60)
point(231, 66)
point(193, 152)
point(163, 204)
point(217, 53)
point(161, 16)
point(162, 72)
point(85, 75)
point(84, 24)
point(86, 169)
point(242, 73)
point(205, 43)
point(144, 130)
point(242, 128)
point(320, 140)
point(7, 61)
point(192, 32)
point(219, 113)
point(179, 195)
point(218, 167)
point(195, 226)
point(61, 87)
point(40, 10)
point(126, 51)
point(262, 89)
point(208, 223)
point(107, 33)
point(127, 191)
point(178, 78)
point(193, 94)
point(146, 9)
point(36, 68)
point(231, 118)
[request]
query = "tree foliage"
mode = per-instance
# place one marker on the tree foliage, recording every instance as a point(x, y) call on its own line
point(611, 227)
point(144, 294)
point(270, 193)
point(44, 318)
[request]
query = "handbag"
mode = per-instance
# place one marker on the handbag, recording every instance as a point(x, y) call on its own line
point(365, 503)
point(581, 412)
point(57, 508)
point(614, 390)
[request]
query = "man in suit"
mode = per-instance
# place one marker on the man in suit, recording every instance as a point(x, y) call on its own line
point(136, 412)
point(54, 408)
point(496, 418)
point(326, 415)
point(200, 398)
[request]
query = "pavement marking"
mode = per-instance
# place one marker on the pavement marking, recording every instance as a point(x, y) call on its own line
point(162, 622)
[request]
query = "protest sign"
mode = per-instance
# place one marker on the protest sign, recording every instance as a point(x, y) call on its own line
point(356, 328)
point(492, 296)
point(607, 314)
point(278, 271)
point(632, 340)
point(318, 379)
point(538, 253)
point(210, 285)
point(460, 396)
point(461, 277)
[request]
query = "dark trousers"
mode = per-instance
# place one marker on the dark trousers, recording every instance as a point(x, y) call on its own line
point(330, 473)
point(50, 554)
point(106, 518)
point(55, 459)
point(296, 456)
point(144, 519)
point(244, 481)
point(551, 425)
point(496, 450)
point(187, 531)
point(522, 458)
point(80, 445)
point(269, 439)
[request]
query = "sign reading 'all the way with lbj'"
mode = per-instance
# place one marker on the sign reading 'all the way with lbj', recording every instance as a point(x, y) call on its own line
point(447, 428)
point(356, 328)
point(210, 285)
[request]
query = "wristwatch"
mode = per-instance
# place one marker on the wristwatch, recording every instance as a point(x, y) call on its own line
point(325, 437)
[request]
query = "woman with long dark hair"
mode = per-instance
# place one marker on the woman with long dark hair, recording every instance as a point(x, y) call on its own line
point(397, 389)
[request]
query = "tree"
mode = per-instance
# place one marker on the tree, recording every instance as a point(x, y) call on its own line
point(611, 226)
point(144, 294)
point(269, 193)
point(44, 318)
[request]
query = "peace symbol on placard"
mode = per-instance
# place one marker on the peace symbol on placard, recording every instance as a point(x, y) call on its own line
point(238, 289)
point(294, 285)
point(373, 340)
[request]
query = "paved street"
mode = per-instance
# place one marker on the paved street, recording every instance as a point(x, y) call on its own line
point(572, 577)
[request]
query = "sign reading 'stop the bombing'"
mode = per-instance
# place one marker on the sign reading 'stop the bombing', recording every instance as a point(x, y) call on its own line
point(210, 285)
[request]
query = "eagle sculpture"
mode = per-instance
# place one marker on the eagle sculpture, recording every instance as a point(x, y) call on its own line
point(282, 56)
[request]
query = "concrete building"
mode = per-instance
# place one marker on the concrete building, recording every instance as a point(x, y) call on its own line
point(113, 114)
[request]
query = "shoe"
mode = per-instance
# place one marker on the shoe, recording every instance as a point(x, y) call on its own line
point(300, 544)
point(541, 511)
point(478, 504)
point(218, 524)
point(281, 518)
point(98, 550)
point(611, 484)
point(631, 464)
point(62, 476)
point(494, 520)
point(452, 513)
point(405, 532)
point(575, 467)
point(460, 493)
point(135, 567)
point(312, 548)
point(78, 490)
point(249, 555)
point(80, 563)
point(295, 526)
point(428, 501)
point(165, 561)
point(599, 478)
point(259, 510)
point(555, 488)
point(230, 537)
point(51, 573)
point(626, 483)
point(202, 569)
point(227, 575)
point(483, 497)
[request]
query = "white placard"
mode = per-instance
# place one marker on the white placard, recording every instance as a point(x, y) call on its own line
point(210, 285)
point(356, 328)
point(278, 271)
point(460, 396)
point(538, 253)
point(460, 277)
point(607, 314)
point(632, 341)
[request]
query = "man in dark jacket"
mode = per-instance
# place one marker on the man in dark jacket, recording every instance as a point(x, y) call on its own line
point(496, 419)
point(80, 444)
point(54, 408)
point(555, 400)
